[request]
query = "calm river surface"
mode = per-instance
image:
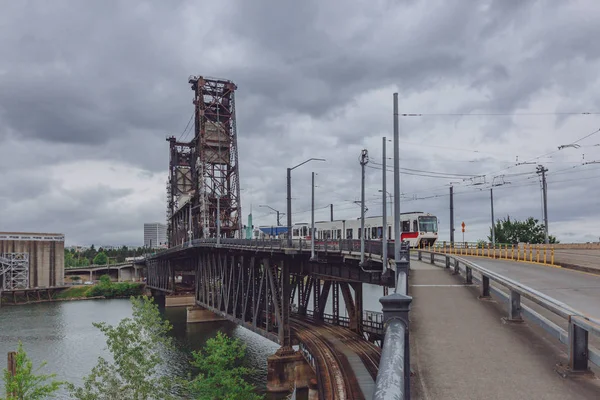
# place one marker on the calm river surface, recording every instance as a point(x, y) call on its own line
point(62, 334)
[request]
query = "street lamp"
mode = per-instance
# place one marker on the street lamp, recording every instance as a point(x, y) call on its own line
point(278, 213)
point(289, 197)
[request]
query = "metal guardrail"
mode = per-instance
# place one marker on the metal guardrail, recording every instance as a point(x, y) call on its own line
point(579, 324)
point(538, 253)
point(393, 377)
point(372, 247)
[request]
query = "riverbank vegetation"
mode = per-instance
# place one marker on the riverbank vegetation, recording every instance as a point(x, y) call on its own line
point(137, 345)
point(89, 256)
point(105, 288)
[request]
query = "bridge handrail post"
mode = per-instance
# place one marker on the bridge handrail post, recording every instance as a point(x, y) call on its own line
point(393, 378)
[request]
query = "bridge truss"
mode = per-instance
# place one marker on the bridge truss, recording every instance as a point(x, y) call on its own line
point(14, 270)
point(204, 186)
point(261, 289)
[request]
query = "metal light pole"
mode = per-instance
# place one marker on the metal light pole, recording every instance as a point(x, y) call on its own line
point(452, 216)
point(384, 233)
point(312, 220)
point(493, 223)
point(278, 213)
point(364, 159)
point(289, 197)
point(401, 265)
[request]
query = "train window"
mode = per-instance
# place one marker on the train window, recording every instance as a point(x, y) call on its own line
point(379, 232)
point(349, 233)
point(374, 233)
point(415, 226)
point(405, 226)
point(304, 231)
point(390, 232)
point(359, 233)
point(339, 234)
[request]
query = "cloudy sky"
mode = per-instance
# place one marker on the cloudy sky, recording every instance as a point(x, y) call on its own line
point(90, 90)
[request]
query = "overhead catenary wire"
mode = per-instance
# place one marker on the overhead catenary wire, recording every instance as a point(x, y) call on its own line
point(185, 130)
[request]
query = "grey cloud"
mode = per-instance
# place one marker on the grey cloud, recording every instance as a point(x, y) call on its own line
point(108, 81)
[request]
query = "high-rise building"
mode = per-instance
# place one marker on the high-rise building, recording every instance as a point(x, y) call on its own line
point(155, 235)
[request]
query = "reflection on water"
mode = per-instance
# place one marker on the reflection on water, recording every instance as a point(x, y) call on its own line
point(63, 335)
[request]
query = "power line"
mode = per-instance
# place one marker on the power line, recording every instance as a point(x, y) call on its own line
point(496, 114)
point(186, 128)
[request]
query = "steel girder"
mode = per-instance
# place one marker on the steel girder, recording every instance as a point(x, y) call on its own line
point(14, 270)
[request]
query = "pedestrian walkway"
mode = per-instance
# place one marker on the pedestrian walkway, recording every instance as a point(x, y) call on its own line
point(462, 349)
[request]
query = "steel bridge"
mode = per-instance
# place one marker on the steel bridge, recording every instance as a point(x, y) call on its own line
point(268, 287)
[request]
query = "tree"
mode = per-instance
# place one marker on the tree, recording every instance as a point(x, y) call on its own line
point(514, 231)
point(221, 376)
point(101, 259)
point(26, 384)
point(134, 344)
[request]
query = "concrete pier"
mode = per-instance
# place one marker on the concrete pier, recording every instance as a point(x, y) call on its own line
point(286, 368)
point(179, 301)
point(197, 314)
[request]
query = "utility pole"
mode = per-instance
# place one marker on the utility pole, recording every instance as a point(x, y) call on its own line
point(218, 220)
point(493, 223)
point(384, 233)
point(541, 170)
point(364, 160)
point(312, 220)
point(289, 207)
point(331, 211)
point(452, 215)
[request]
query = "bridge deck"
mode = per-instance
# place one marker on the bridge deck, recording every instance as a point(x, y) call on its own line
point(461, 349)
point(347, 363)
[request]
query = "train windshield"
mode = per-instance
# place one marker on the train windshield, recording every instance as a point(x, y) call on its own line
point(428, 224)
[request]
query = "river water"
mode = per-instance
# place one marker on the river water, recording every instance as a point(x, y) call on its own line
point(62, 334)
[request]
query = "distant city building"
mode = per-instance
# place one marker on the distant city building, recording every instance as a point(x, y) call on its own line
point(155, 235)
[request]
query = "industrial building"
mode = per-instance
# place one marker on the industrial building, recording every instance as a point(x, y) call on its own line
point(31, 260)
point(155, 235)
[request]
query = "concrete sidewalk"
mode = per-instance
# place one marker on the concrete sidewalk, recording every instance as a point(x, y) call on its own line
point(462, 349)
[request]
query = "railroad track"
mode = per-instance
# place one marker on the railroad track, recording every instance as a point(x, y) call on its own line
point(336, 378)
point(367, 352)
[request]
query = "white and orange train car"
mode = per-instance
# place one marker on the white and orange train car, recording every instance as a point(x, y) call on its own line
point(418, 228)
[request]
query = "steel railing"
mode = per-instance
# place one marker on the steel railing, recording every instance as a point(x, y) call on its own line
point(579, 324)
point(537, 253)
point(393, 377)
point(372, 247)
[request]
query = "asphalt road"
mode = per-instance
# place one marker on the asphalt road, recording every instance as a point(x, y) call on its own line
point(577, 289)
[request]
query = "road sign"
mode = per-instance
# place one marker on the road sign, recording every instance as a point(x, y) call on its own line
point(463, 226)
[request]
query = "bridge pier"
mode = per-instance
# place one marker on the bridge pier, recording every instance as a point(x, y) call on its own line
point(285, 368)
point(200, 314)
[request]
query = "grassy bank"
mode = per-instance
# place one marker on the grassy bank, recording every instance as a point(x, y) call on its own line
point(105, 289)
point(109, 290)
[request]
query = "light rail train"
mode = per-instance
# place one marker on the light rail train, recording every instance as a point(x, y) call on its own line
point(418, 228)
